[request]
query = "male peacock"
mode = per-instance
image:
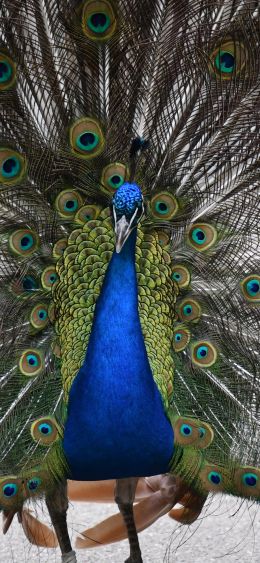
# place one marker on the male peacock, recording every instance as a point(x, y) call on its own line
point(130, 280)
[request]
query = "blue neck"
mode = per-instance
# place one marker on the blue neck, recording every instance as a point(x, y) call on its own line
point(113, 398)
point(116, 327)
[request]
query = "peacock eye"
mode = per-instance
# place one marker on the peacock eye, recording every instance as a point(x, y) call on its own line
point(7, 72)
point(31, 363)
point(186, 430)
point(49, 277)
point(181, 338)
point(45, 430)
point(113, 177)
point(164, 206)
point(23, 242)
point(189, 310)
point(214, 477)
point(67, 203)
point(10, 490)
point(39, 316)
point(250, 287)
point(87, 213)
point(250, 479)
point(161, 207)
point(228, 59)
point(34, 484)
point(115, 181)
point(87, 141)
point(206, 435)
point(202, 236)
point(181, 275)
point(225, 61)
point(86, 138)
point(12, 166)
point(98, 20)
point(247, 481)
point(193, 432)
point(204, 354)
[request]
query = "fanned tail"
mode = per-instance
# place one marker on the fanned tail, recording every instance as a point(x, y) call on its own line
point(165, 93)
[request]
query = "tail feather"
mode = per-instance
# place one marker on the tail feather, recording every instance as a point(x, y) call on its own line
point(36, 532)
point(113, 528)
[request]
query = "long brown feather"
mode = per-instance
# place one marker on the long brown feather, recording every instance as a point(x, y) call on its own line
point(36, 532)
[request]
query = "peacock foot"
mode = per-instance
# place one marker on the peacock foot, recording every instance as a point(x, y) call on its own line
point(134, 559)
point(69, 557)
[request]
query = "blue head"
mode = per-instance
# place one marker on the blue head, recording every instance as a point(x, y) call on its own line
point(128, 208)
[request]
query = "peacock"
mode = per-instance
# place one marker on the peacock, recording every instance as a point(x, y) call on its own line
point(129, 237)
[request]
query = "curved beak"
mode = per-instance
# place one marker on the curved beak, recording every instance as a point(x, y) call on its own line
point(123, 228)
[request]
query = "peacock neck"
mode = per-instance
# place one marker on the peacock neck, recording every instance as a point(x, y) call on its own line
point(116, 339)
point(119, 294)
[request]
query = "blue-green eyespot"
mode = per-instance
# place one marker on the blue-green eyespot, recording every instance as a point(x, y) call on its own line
point(45, 430)
point(202, 236)
point(189, 310)
point(7, 72)
point(31, 362)
point(23, 242)
point(12, 166)
point(67, 203)
point(34, 484)
point(113, 176)
point(49, 277)
point(86, 138)
point(164, 206)
point(181, 338)
point(250, 287)
point(228, 59)
point(39, 316)
point(204, 354)
point(98, 20)
point(215, 477)
point(181, 275)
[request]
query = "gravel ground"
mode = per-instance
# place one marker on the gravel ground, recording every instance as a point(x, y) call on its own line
point(226, 532)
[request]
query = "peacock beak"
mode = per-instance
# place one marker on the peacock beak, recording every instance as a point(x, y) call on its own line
point(124, 225)
point(123, 228)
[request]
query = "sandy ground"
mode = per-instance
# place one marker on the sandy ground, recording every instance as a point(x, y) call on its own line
point(226, 532)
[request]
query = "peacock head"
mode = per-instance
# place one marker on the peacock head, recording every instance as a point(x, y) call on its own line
point(128, 208)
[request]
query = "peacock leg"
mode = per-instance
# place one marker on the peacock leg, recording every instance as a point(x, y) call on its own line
point(124, 497)
point(57, 504)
